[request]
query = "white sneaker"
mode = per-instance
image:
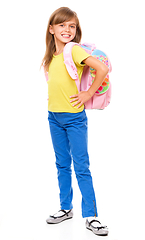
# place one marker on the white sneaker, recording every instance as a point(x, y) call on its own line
point(96, 227)
point(60, 216)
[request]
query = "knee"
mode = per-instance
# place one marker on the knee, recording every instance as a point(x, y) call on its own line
point(63, 167)
point(82, 171)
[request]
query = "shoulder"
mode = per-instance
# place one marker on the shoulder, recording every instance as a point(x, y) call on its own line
point(77, 48)
point(79, 54)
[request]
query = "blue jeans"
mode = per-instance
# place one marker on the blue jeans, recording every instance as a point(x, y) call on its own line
point(69, 138)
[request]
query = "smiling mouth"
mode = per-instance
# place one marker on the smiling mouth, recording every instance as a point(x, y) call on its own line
point(66, 35)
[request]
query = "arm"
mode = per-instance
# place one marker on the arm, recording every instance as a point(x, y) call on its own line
point(101, 72)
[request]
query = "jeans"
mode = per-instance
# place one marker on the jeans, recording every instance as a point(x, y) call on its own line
point(69, 138)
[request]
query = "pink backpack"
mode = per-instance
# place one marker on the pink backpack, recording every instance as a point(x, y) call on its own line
point(101, 98)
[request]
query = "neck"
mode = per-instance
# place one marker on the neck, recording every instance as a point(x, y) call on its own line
point(59, 47)
point(58, 51)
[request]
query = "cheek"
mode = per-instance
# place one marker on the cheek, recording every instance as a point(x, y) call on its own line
point(74, 32)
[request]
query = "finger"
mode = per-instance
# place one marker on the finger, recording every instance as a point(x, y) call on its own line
point(80, 105)
point(76, 103)
point(74, 100)
point(74, 96)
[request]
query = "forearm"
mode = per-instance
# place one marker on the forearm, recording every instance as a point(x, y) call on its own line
point(99, 78)
point(101, 72)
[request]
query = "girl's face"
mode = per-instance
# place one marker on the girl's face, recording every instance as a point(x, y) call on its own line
point(64, 32)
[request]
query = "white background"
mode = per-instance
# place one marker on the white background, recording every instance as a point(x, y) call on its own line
point(28, 179)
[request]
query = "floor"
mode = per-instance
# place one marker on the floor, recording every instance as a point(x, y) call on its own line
point(28, 180)
point(24, 224)
point(25, 209)
point(37, 229)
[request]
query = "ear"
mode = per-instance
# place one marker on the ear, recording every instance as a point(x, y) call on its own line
point(51, 29)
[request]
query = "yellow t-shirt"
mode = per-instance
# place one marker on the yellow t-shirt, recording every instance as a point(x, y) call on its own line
point(60, 85)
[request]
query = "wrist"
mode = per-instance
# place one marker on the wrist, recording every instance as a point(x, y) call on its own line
point(90, 92)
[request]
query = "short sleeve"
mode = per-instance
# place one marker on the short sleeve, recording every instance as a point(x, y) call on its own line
point(79, 55)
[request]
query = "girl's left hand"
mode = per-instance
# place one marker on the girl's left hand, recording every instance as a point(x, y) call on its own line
point(80, 98)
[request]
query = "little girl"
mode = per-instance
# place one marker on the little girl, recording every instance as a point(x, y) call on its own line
point(67, 117)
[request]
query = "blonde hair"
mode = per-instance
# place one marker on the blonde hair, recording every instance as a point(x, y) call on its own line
point(61, 15)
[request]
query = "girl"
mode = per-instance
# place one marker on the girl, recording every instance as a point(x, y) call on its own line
point(67, 117)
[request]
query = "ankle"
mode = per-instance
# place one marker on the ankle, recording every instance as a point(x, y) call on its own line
point(92, 218)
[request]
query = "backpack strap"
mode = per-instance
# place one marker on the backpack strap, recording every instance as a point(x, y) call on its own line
point(68, 60)
point(89, 47)
point(69, 63)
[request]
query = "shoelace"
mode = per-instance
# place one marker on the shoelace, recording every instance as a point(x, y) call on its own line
point(65, 213)
point(101, 227)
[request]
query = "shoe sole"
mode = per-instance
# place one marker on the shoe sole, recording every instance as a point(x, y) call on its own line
point(59, 221)
point(101, 234)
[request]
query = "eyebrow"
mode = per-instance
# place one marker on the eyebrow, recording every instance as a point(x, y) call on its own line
point(71, 23)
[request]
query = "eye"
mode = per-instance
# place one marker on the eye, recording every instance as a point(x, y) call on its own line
point(72, 26)
point(61, 25)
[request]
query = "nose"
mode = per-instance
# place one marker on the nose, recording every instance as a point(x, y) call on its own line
point(67, 28)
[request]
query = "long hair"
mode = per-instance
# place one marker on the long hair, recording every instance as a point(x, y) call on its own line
point(61, 15)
